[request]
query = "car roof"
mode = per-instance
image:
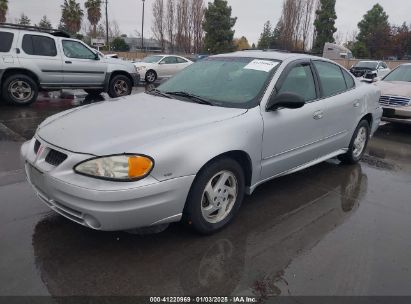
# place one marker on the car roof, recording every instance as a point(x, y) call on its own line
point(274, 55)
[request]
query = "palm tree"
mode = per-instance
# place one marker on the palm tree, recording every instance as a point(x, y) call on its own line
point(93, 14)
point(4, 6)
point(72, 16)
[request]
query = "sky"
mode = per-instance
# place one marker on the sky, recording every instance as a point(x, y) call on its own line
point(251, 14)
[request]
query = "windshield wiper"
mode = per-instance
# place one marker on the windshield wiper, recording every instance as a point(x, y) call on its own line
point(159, 93)
point(192, 97)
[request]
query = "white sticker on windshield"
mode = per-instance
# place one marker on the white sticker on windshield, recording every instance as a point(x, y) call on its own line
point(261, 65)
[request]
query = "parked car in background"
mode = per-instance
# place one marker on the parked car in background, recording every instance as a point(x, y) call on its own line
point(34, 59)
point(334, 51)
point(370, 69)
point(156, 67)
point(396, 95)
point(199, 57)
point(102, 55)
point(192, 148)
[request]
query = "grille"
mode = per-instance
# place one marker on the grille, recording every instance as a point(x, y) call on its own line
point(395, 101)
point(36, 146)
point(55, 158)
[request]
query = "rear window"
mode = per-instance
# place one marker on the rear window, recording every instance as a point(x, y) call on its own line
point(39, 46)
point(6, 40)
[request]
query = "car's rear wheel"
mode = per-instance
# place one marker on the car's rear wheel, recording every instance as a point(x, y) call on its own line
point(358, 144)
point(119, 86)
point(216, 196)
point(20, 90)
point(151, 76)
point(94, 92)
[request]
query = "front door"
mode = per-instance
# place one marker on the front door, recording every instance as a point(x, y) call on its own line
point(293, 137)
point(81, 66)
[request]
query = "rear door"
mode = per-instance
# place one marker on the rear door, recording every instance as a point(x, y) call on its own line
point(40, 54)
point(81, 66)
point(342, 104)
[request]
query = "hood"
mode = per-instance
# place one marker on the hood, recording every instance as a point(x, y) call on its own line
point(117, 126)
point(395, 88)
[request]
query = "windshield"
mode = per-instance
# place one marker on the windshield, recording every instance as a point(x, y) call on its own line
point(367, 65)
point(402, 73)
point(152, 59)
point(224, 81)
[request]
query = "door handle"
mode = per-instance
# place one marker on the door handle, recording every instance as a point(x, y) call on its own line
point(318, 115)
point(68, 62)
point(356, 104)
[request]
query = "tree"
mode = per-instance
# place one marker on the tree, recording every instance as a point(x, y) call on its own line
point(241, 44)
point(45, 23)
point(71, 16)
point(266, 37)
point(375, 32)
point(170, 21)
point(253, 46)
point(4, 7)
point(218, 26)
point(158, 27)
point(93, 14)
point(324, 25)
point(197, 13)
point(24, 20)
point(119, 45)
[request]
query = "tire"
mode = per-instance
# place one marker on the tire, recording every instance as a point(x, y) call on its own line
point(209, 212)
point(151, 76)
point(119, 86)
point(20, 90)
point(358, 144)
point(94, 92)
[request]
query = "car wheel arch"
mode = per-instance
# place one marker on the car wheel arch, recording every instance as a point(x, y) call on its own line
point(243, 159)
point(12, 71)
point(116, 73)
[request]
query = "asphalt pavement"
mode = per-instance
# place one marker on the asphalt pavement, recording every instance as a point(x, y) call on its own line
point(328, 230)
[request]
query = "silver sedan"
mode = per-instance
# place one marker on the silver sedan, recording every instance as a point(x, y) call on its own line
point(190, 150)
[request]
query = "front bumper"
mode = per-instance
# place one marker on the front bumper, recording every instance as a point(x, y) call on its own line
point(397, 115)
point(104, 205)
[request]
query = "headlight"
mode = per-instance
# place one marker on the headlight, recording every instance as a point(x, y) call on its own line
point(125, 167)
point(140, 68)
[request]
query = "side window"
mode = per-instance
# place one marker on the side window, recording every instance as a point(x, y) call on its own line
point(170, 60)
point(300, 80)
point(348, 80)
point(181, 60)
point(75, 49)
point(331, 78)
point(6, 39)
point(39, 46)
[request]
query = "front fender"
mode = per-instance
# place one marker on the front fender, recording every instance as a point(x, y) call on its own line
point(186, 153)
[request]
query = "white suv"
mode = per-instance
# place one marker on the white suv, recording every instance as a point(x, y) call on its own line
point(33, 59)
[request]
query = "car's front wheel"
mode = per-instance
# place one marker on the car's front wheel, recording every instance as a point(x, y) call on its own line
point(215, 196)
point(151, 76)
point(20, 90)
point(119, 86)
point(358, 144)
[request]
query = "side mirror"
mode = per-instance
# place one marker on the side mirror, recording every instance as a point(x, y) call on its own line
point(286, 100)
point(96, 56)
point(376, 79)
point(161, 62)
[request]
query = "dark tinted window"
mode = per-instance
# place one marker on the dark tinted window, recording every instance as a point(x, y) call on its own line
point(39, 46)
point(300, 80)
point(6, 40)
point(331, 78)
point(348, 80)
